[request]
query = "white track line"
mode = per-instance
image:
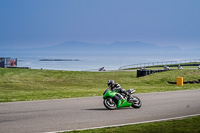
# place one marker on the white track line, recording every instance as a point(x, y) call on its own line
point(166, 119)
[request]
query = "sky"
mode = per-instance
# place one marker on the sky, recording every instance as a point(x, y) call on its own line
point(42, 23)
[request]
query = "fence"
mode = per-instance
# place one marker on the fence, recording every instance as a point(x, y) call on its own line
point(158, 63)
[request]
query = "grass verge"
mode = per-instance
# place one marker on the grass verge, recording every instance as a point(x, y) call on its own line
point(186, 125)
point(27, 84)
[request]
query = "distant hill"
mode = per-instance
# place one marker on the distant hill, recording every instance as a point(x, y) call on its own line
point(115, 47)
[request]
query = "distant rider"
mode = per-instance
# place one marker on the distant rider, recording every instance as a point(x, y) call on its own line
point(116, 87)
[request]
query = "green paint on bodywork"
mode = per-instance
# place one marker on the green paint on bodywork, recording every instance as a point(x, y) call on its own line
point(123, 103)
point(109, 93)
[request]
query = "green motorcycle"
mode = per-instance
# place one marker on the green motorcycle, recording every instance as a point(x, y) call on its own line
point(114, 100)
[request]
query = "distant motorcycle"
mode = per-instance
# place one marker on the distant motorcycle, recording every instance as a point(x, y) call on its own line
point(114, 100)
point(102, 69)
point(166, 68)
point(180, 67)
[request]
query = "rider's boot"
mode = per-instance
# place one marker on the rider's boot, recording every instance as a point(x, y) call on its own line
point(128, 99)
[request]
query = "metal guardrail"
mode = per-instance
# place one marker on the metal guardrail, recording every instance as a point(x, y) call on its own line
point(158, 63)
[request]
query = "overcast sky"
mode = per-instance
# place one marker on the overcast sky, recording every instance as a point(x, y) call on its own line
point(40, 23)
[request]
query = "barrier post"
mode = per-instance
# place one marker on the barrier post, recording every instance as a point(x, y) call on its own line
point(179, 81)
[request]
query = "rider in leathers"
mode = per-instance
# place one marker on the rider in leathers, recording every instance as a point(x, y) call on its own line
point(116, 87)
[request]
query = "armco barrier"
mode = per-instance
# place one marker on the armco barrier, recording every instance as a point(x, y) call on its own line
point(174, 63)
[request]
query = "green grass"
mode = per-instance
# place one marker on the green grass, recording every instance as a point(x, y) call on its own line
point(187, 125)
point(27, 84)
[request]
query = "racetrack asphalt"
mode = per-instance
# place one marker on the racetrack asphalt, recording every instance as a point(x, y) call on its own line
point(89, 112)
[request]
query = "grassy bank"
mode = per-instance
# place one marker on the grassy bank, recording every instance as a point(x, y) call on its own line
point(27, 84)
point(187, 125)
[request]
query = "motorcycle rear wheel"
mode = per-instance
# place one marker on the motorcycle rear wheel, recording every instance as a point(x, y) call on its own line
point(109, 103)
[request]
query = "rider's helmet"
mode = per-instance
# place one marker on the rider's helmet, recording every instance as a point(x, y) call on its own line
point(110, 83)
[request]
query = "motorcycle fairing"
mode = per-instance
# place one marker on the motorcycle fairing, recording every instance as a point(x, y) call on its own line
point(123, 103)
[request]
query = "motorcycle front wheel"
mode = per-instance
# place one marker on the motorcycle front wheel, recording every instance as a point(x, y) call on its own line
point(109, 103)
point(136, 102)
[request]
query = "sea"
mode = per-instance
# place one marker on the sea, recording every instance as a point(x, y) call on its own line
point(91, 62)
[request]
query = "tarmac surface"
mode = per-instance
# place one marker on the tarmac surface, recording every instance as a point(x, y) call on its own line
point(89, 112)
